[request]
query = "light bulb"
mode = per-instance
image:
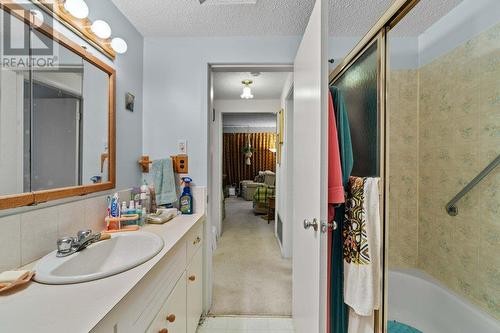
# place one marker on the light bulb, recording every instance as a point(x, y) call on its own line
point(119, 45)
point(77, 8)
point(101, 29)
point(247, 93)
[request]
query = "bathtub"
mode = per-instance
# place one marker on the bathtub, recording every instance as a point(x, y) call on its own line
point(418, 300)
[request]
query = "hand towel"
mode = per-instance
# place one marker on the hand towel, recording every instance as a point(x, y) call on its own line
point(362, 252)
point(161, 176)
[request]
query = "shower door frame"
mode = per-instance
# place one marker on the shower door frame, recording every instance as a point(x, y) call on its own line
point(379, 40)
point(378, 34)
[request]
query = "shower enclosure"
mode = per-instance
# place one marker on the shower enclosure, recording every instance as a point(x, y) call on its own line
point(443, 96)
point(437, 121)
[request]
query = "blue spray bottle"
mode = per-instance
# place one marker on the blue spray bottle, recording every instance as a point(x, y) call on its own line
point(186, 199)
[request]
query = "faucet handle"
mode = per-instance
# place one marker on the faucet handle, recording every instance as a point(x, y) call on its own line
point(82, 235)
point(65, 245)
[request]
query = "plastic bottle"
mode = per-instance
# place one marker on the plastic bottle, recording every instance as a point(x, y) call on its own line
point(124, 209)
point(152, 199)
point(145, 200)
point(115, 205)
point(186, 199)
point(143, 216)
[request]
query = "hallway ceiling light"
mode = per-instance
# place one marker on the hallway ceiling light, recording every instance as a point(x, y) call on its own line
point(101, 29)
point(119, 45)
point(247, 92)
point(77, 8)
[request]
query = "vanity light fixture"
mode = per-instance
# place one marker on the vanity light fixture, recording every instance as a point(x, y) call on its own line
point(101, 29)
point(77, 8)
point(247, 92)
point(119, 45)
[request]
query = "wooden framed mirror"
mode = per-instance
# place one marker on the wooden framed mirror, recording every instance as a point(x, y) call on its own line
point(57, 113)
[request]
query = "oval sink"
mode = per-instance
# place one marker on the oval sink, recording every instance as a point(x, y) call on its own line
point(102, 259)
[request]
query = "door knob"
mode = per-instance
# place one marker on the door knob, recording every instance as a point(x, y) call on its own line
point(192, 278)
point(325, 226)
point(308, 224)
point(163, 330)
point(171, 318)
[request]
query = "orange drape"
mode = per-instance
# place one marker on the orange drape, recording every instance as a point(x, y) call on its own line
point(234, 166)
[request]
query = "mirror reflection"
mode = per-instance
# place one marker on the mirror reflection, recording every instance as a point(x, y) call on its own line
point(53, 116)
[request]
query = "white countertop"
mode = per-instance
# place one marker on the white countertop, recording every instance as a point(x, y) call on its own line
point(79, 307)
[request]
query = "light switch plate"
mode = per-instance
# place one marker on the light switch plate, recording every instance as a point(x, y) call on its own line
point(182, 144)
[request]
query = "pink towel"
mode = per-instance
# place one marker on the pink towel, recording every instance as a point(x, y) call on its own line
point(335, 188)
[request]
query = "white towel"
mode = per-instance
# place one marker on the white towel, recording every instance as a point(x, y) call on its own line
point(362, 253)
point(360, 324)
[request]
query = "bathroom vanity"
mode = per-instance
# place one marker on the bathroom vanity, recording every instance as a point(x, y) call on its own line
point(169, 298)
point(162, 295)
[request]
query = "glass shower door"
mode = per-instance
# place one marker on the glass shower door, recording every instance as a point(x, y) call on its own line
point(443, 104)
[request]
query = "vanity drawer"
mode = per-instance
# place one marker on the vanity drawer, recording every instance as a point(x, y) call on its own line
point(194, 240)
point(172, 316)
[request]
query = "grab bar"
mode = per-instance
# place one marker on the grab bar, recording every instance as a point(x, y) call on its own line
point(450, 206)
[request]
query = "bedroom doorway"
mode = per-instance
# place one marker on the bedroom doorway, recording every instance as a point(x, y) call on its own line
point(252, 276)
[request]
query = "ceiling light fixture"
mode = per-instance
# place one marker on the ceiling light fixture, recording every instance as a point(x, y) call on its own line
point(77, 8)
point(119, 45)
point(247, 92)
point(101, 29)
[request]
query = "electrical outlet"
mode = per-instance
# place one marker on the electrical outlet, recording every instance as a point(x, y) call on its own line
point(182, 144)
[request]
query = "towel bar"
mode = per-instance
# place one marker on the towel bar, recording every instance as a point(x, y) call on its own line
point(451, 207)
point(145, 162)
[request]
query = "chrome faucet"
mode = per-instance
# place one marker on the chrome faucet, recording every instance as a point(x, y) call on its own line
point(70, 245)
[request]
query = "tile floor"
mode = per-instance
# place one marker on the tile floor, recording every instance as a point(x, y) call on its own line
point(238, 324)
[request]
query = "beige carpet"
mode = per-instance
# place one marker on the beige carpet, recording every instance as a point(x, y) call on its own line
point(250, 276)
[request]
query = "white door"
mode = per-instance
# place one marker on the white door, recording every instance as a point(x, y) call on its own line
point(309, 163)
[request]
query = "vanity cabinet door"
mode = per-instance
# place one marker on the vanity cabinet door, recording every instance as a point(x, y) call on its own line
point(194, 240)
point(194, 291)
point(172, 315)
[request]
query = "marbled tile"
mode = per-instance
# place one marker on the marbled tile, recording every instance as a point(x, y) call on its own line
point(457, 110)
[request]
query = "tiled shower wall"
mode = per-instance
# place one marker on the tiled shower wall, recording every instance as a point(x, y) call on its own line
point(457, 117)
point(403, 162)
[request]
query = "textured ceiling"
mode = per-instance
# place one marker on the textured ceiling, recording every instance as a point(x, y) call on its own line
point(268, 85)
point(348, 18)
point(189, 18)
point(425, 14)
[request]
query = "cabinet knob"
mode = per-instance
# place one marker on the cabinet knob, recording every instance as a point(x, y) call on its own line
point(192, 278)
point(197, 240)
point(163, 330)
point(171, 318)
